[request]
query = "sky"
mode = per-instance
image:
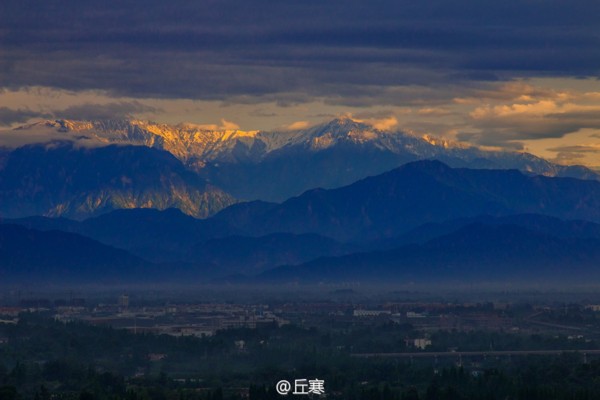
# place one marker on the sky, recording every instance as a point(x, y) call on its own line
point(515, 75)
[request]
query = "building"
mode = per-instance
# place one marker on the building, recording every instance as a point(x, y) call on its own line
point(123, 301)
point(421, 343)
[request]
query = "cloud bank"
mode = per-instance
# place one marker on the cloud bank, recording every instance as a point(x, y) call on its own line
point(344, 50)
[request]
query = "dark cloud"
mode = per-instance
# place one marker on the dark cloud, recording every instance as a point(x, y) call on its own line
point(565, 157)
point(115, 110)
point(10, 116)
point(348, 51)
point(572, 154)
point(262, 113)
point(87, 111)
point(576, 149)
point(374, 114)
point(493, 139)
point(508, 130)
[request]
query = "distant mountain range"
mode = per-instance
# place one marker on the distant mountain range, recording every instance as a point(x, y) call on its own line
point(54, 257)
point(212, 246)
point(155, 235)
point(417, 193)
point(234, 255)
point(551, 226)
point(274, 166)
point(419, 222)
point(474, 253)
point(121, 200)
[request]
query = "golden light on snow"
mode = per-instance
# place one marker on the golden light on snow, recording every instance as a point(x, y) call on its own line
point(535, 115)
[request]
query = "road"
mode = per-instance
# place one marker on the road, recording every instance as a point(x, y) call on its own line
point(473, 353)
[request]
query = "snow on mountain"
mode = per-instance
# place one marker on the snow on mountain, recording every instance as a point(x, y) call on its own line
point(189, 142)
point(278, 164)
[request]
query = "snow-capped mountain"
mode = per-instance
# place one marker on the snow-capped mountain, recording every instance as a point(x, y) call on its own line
point(191, 142)
point(279, 164)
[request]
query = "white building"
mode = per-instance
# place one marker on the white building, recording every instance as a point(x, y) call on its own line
point(421, 343)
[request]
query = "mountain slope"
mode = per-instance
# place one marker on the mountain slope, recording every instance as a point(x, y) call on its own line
point(251, 255)
point(156, 235)
point(59, 179)
point(371, 213)
point(535, 222)
point(343, 151)
point(171, 236)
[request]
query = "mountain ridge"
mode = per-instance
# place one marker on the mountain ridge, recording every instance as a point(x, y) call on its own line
point(276, 165)
point(481, 216)
point(476, 252)
point(416, 193)
point(63, 257)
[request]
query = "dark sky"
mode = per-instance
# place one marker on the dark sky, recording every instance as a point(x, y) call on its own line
point(220, 49)
point(370, 58)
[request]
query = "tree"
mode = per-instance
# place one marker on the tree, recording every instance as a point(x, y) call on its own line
point(8, 393)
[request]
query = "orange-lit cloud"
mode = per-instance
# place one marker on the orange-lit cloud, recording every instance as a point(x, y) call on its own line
point(512, 91)
point(434, 111)
point(530, 115)
point(297, 125)
point(225, 126)
point(576, 154)
point(539, 108)
point(383, 124)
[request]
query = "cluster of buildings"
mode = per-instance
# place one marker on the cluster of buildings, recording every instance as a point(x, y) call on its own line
point(173, 319)
point(204, 319)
